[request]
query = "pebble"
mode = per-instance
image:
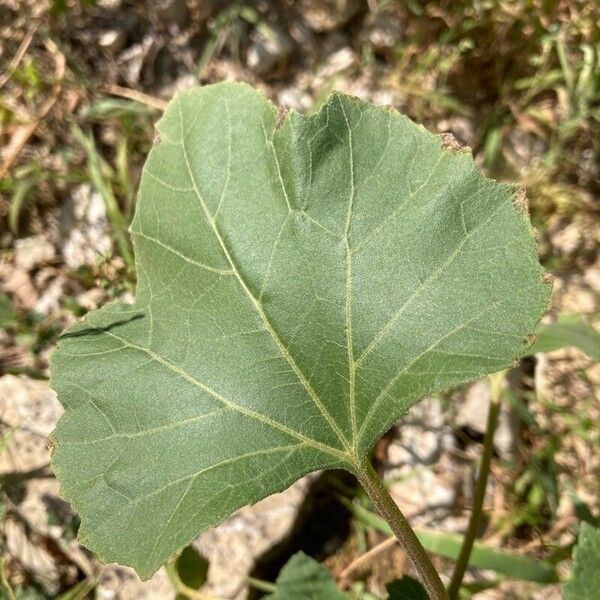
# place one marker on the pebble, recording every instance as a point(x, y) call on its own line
point(33, 251)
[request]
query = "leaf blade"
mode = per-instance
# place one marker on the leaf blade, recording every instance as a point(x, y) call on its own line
point(296, 293)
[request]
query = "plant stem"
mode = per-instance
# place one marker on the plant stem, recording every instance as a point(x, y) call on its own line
point(402, 530)
point(263, 586)
point(462, 561)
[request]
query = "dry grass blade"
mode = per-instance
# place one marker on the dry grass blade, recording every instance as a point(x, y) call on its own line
point(14, 63)
point(25, 131)
point(130, 94)
point(365, 558)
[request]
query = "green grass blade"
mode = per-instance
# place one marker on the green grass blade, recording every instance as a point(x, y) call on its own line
point(509, 564)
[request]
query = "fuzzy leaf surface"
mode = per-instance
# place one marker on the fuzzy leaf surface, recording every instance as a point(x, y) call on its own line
point(585, 579)
point(301, 283)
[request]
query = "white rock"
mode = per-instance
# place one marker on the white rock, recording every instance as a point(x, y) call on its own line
point(423, 438)
point(50, 299)
point(85, 228)
point(270, 49)
point(568, 239)
point(339, 61)
point(29, 404)
point(327, 15)
point(292, 97)
point(422, 435)
point(473, 413)
point(33, 251)
point(113, 40)
point(122, 583)
point(385, 32)
point(419, 490)
point(232, 547)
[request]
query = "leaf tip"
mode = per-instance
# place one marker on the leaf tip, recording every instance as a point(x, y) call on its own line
point(519, 199)
point(449, 142)
point(547, 278)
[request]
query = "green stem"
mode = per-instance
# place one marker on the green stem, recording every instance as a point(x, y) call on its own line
point(402, 530)
point(484, 469)
point(263, 586)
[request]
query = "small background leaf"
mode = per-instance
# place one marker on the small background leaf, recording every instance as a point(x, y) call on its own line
point(189, 570)
point(406, 588)
point(303, 578)
point(569, 330)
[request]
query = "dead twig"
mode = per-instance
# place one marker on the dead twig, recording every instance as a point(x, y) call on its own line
point(365, 558)
point(14, 63)
point(130, 94)
point(25, 131)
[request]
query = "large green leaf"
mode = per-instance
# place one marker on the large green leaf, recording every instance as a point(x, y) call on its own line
point(301, 283)
point(585, 580)
point(303, 578)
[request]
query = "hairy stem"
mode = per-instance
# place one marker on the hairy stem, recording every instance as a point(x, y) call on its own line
point(402, 530)
point(484, 469)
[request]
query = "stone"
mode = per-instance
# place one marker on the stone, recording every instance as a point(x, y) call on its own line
point(29, 410)
point(338, 61)
point(473, 413)
point(84, 227)
point(292, 97)
point(420, 474)
point(121, 583)
point(269, 50)
point(422, 490)
point(328, 15)
point(112, 40)
point(33, 251)
point(232, 547)
point(18, 283)
point(51, 296)
point(422, 436)
point(385, 32)
point(568, 239)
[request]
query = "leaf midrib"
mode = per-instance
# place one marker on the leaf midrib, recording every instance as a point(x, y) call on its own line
point(248, 412)
point(258, 305)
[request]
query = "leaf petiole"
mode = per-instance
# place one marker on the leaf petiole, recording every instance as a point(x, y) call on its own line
point(389, 510)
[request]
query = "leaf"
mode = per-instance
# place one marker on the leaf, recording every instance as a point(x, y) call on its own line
point(188, 571)
point(406, 588)
point(303, 578)
point(515, 566)
point(569, 330)
point(300, 285)
point(585, 579)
